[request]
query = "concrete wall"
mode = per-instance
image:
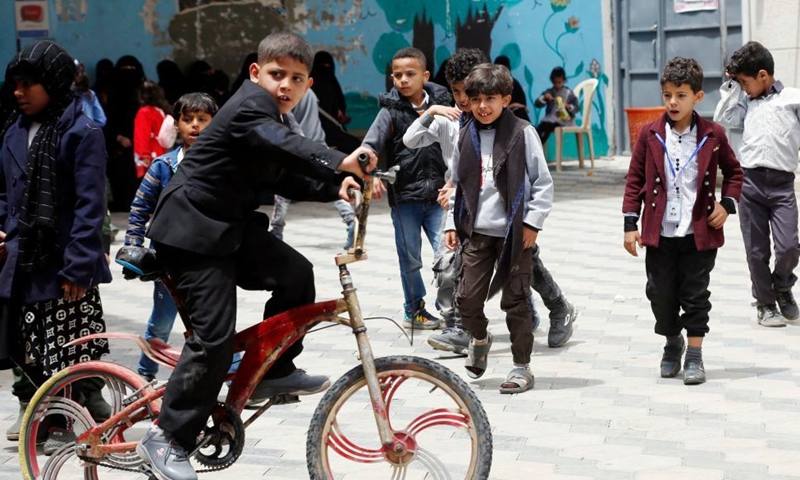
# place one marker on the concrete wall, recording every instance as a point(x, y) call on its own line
point(776, 24)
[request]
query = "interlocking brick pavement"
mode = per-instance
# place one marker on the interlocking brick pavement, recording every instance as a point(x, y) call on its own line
point(599, 409)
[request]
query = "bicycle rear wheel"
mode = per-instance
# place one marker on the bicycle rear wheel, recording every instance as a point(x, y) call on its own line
point(440, 428)
point(73, 401)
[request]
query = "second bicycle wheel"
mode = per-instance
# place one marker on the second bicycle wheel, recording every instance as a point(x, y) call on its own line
point(439, 425)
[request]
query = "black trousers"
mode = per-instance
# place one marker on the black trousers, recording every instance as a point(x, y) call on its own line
point(208, 285)
point(677, 278)
point(544, 129)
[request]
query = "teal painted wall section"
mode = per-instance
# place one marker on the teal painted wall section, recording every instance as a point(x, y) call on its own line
point(537, 35)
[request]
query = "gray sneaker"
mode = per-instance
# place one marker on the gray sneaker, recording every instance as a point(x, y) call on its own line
point(561, 325)
point(788, 306)
point(12, 433)
point(452, 339)
point(296, 383)
point(769, 316)
point(167, 459)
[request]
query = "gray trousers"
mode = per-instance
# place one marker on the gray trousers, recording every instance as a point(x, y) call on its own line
point(281, 208)
point(769, 204)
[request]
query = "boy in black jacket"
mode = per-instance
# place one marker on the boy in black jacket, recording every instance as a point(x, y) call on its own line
point(421, 175)
point(210, 239)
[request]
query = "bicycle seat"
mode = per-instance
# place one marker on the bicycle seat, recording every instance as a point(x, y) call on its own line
point(139, 262)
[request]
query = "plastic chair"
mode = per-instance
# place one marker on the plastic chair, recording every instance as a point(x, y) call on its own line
point(587, 88)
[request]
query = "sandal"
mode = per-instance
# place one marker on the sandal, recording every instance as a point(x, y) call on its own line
point(476, 357)
point(518, 381)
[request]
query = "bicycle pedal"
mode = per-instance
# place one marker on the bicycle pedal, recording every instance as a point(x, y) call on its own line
point(286, 399)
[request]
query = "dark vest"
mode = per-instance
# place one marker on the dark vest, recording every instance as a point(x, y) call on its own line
point(422, 170)
point(509, 176)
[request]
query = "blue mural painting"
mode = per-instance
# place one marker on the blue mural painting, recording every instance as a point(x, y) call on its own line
point(363, 35)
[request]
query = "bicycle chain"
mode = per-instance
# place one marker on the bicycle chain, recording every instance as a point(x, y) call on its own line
point(231, 416)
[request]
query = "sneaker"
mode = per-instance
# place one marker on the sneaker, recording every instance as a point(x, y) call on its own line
point(561, 325)
point(57, 438)
point(12, 433)
point(769, 316)
point(296, 383)
point(671, 360)
point(422, 320)
point(452, 339)
point(694, 373)
point(167, 459)
point(788, 306)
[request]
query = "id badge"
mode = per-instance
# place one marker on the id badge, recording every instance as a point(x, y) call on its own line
point(673, 213)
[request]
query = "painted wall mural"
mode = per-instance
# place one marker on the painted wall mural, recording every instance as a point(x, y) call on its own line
point(362, 35)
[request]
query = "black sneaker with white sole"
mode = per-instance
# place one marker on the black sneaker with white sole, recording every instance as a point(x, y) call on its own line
point(561, 325)
point(787, 305)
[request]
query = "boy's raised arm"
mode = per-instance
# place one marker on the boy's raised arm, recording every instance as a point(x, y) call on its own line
point(379, 132)
point(732, 106)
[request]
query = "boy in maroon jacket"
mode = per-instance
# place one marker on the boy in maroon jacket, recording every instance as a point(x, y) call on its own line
point(673, 172)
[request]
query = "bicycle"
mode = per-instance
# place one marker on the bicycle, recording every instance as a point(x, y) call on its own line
point(340, 443)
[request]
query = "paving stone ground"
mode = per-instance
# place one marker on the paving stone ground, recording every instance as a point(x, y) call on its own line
point(599, 409)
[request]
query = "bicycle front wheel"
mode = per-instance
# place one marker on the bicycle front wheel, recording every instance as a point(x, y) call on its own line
point(440, 428)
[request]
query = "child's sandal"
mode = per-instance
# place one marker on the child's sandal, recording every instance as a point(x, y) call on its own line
point(476, 358)
point(518, 381)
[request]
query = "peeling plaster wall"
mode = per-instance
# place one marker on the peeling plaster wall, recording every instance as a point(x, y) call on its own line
point(361, 34)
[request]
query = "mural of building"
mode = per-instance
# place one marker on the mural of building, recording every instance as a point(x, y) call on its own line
point(536, 35)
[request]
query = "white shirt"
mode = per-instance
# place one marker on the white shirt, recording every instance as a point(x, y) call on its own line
point(771, 136)
point(681, 148)
point(32, 131)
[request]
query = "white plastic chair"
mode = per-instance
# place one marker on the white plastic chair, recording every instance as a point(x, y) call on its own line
point(587, 88)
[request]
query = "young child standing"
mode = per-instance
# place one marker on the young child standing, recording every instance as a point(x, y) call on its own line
point(561, 105)
point(770, 115)
point(52, 205)
point(442, 124)
point(414, 194)
point(192, 112)
point(503, 195)
point(210, 239)
point(673, 173)
point(146, 126)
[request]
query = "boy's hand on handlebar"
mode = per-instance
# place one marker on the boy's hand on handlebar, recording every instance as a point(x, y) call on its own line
point(451, 239)
point(350, 163)
point(347, 184)
point(378, 189)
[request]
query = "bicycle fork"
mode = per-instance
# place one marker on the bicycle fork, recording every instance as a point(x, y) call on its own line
point(367, 358)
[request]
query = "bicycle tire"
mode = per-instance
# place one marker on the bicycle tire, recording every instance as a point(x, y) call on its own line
point(118, 381)
point(322, 437)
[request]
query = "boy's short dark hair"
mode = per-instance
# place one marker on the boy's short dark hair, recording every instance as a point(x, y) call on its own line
point(558, 72)
point(285, 44)
point(461, 62)
point(749, 59)
point(489, 79)
point(192, 103)
point(682, 70)
point(411, 52)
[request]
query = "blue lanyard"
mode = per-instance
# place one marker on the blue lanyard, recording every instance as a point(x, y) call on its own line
point(676, 175)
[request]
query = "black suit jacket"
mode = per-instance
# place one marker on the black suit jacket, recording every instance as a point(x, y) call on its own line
point(246, 148)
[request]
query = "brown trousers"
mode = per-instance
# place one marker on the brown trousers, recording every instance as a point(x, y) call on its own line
point(479, 256)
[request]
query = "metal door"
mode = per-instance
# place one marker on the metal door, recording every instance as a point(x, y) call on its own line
point(649, 33)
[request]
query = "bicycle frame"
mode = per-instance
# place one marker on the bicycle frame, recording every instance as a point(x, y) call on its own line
point(262, 343)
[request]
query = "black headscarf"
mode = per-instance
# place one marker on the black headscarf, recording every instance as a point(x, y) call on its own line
point(326, 86)
point(51, 66)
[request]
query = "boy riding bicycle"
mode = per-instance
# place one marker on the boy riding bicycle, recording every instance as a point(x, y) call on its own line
point(210, 239)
